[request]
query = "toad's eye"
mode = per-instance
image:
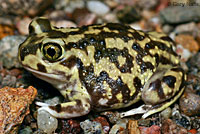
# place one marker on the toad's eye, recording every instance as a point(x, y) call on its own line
point(52, 51)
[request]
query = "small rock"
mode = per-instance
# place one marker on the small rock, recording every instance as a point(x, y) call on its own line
point(180, 119)
point(136, 26)
point(190, 104)
point(39, 131)
point(167, 28)
point(15, 72)
point(133, 127)
point(183, 52)
point(147, 4)
point(5, 31)
point(57, 15)
point(177, 14)
point(46, 122)
point(9, 50)
point(70, 127)
point(189, 28)
point(144, 122)
point(23, 25)
point(194, 64)
point(166, 113)
point(195, 121)
point(91, 127)
point(83, 17)
point(154, 129)
point(23, 8)
point(110, 17)
point(192, 131)
point(64, 23)
point(169, 127)
point(60, 4)
point(104, 123)
point(26, 130)
point(70, 5)
point(120, 127)
point(8, 80)
point(128, 15)
point(53, 101)
point(113, 117)
point(97, 7)
point(162, 5)
point(188, 42)
point(14, 107)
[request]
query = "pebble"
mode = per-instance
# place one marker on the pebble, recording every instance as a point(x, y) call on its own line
point(83, 17)
point(8, 80)
point(26, 130)
point(46, 122)
point(144, 122)
point(6, 30)
point(22, 25)
point(180, 119)
point(9, 50)
point(64, 23)
point(183, 52)
point(154, 129)
point(97, 7)
point(189, 28)
point(70, 127)
point(190, 103)
point(91, 127)
point(53, 101)
point(72, 5)
point(120, 127)
point(167, 28)
point(169, 127)
point(177, 14)
point(14, 106)
point(104, 123)
point(188, 42)
point(113, 117)
point(194, 64)
point(166, 113)
point(128, 15)
point(147, 4)
point(133, 127)
point(23, 8)
point(110, 17)
point(195, 121)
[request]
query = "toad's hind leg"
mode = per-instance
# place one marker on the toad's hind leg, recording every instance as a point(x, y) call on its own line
point(161, 90)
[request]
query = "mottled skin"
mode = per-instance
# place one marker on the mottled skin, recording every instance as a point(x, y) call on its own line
point(101, 67)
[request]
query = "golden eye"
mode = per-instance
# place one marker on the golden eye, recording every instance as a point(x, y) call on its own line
point(52, 51)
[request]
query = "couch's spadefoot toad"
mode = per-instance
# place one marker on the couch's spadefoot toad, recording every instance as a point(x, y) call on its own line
point(101, 67)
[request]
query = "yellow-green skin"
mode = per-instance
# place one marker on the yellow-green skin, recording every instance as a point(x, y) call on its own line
point(101, 67)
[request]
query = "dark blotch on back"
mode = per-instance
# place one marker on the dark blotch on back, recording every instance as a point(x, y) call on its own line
point(169, 80)
point(138, 86)
point(138, 36)
point(167, 38)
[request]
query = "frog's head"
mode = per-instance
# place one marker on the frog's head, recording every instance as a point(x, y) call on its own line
point(43, 51)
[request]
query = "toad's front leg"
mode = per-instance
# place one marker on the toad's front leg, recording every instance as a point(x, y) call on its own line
point(161, 90)
point(75, 108)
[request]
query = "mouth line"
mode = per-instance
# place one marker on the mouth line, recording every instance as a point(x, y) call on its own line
point(44, 76)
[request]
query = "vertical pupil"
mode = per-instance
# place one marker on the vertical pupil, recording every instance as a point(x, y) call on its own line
point(51, 51)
